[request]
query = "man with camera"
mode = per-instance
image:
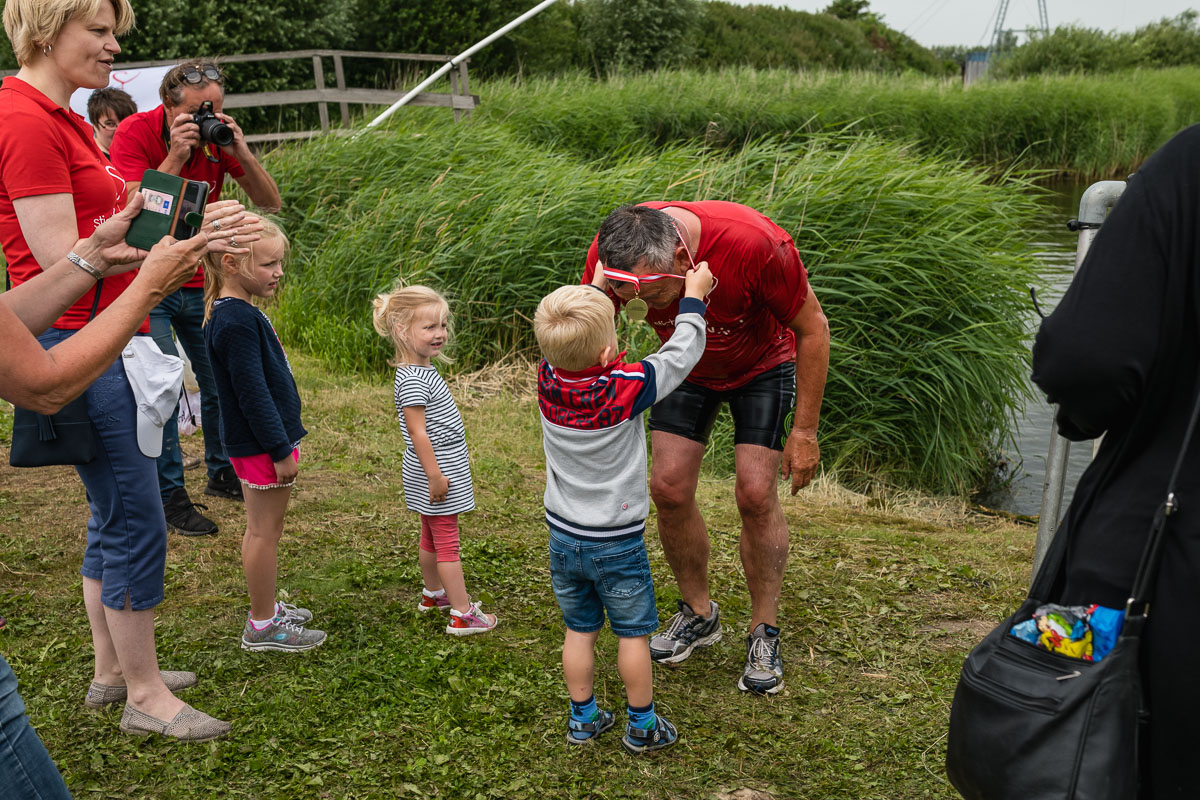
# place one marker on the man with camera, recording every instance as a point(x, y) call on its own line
point(188, 135)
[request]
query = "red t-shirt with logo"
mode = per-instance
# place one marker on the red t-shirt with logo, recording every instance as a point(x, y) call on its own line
point(140, 143)
point(48, 149)
point(760, 286)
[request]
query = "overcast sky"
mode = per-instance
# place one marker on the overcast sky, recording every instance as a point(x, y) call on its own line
point(970, 22)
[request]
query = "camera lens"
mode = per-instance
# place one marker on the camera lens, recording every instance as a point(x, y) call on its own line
point(215, 131)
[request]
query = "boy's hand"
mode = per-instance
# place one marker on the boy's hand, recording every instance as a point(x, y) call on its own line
point(698, 281)
point(439, 486)
point(286, 470)
point(598, 279)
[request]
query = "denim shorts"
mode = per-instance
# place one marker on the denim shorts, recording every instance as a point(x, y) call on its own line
point(127, 531)
point(591, 577)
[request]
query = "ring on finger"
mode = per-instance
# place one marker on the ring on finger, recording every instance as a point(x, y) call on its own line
point(233, 241)
point(216, 225)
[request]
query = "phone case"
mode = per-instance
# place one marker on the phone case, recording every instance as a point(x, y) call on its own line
point(174, 206)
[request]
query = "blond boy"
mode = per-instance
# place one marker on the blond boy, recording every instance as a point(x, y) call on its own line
point(596, 496)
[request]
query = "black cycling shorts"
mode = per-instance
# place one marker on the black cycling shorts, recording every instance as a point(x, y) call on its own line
point(760, 409)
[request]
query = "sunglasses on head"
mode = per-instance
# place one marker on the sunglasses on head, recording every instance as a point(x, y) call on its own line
point(197, 74)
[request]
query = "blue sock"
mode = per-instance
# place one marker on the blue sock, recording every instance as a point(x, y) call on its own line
point(642, 717)
point(585, 711)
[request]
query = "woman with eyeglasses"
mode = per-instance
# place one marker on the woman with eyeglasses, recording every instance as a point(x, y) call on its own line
point(55, 188)
point(106, 107)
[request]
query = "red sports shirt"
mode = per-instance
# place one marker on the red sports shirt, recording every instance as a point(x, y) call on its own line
point(761, 285)
point(47, 149)
point(140, 143)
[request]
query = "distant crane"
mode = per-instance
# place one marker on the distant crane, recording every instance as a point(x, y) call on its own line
point(999, 33)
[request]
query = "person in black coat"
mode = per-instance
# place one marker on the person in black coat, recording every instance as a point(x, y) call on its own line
point(1121, 357)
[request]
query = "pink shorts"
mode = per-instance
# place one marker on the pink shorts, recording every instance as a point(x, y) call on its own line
point(258, 472)
point(439, 535)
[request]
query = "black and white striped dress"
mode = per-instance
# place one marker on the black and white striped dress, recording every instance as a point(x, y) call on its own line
point(423, 386)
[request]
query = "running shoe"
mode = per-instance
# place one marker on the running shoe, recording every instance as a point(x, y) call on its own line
point(471, 622)
point(441, 603)
point(281, 635)
point(764, 666)
point(291, 613)
point(686, 631)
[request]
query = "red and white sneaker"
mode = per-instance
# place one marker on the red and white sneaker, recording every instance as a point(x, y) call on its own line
point(441, 603)
point(472, 621)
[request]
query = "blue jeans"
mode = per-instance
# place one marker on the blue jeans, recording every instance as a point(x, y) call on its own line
point(126, 531)
point(26, 769)
point(183, 310)
point(594, 576)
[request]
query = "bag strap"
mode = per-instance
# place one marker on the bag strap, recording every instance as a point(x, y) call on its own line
point(1147, 573)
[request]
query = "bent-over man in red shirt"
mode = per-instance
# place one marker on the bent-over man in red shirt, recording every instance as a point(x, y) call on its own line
point(767, 355)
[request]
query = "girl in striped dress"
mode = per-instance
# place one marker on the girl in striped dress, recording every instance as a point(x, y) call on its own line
point(436, 471)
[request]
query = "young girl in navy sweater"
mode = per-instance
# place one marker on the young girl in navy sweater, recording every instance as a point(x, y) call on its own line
point(260, 426)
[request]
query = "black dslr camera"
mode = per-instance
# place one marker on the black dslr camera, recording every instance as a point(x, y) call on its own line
point(212, 129)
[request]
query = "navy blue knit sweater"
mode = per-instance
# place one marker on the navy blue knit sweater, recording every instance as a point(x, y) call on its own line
point(260, 407)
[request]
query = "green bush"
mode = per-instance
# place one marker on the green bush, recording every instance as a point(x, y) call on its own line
point(766, 37)
point(1170, 42)
point(921, 265)
point(639, 34)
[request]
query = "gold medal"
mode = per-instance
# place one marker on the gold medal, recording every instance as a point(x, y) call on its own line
point(636, 309)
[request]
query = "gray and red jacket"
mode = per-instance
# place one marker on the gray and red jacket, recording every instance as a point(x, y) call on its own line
point(594, 437)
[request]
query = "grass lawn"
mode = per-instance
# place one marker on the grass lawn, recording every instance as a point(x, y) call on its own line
point(880, 604)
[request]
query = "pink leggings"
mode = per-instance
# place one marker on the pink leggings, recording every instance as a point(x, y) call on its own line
point(440, 535)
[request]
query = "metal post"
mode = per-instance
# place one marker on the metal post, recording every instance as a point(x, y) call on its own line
point(458, 59)
point(1093, 208)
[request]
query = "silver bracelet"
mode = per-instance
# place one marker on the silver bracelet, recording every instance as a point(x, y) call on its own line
point(79, 261)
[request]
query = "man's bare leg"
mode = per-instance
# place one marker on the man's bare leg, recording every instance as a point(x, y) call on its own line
point(681, 529)
point(764, 541)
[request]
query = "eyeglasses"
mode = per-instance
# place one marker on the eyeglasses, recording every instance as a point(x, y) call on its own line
point(199, 73)
point(638, 281)
point(107, 124)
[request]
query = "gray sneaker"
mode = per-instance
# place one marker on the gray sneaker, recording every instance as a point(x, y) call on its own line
point(685, 632)
point(764, 666)
point(282, 635)
point(291, 613)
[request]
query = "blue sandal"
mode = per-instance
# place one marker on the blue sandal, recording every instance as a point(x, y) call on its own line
point(599, 725)
point(640, 740)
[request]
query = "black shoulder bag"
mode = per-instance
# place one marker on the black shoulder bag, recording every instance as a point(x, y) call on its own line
point(65, 438)
point(1029, 724)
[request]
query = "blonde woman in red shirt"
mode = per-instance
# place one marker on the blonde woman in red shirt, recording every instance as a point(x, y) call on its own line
point(56, 187)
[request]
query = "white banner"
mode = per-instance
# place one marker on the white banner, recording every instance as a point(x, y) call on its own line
point(141, 84)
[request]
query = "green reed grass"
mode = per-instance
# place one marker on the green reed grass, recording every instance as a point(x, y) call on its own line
point(1086, 127)
point(920, 264)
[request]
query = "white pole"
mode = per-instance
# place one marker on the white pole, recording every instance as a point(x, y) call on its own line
point(454, 62)
point(1093, 209)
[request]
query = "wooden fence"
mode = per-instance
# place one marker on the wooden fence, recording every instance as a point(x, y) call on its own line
point(459, 98)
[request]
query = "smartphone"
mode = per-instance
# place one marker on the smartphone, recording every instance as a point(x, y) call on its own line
point(173, 205)
point(195, 193)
